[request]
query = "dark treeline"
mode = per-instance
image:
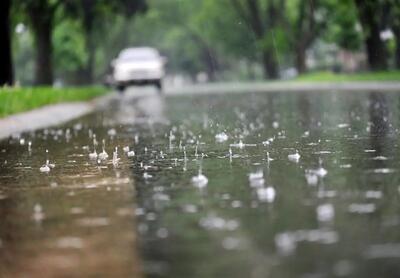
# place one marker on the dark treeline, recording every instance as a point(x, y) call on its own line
point(73, 41)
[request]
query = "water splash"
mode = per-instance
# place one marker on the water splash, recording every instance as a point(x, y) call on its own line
point(266, 194)
point(47, 166)
point(94, 155)
point(221, 137)
point(325, 213)
point(115, 159)
point(294, 157)
point(200, 180)
point(103, 155)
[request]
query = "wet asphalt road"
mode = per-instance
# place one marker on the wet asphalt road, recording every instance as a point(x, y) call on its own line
point(229, 185)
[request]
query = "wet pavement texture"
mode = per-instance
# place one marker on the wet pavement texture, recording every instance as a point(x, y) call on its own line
point(244, 185)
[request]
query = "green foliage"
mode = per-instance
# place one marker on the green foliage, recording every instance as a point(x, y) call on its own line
point(69, 46)
point(16, 100)
point(192, 33)
point(343, 26)
point(222, 26)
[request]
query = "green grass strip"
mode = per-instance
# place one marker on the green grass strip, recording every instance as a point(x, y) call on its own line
point(16, 100)
point(326, 76)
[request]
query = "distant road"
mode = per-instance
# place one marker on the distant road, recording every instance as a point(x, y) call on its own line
point(59, 113)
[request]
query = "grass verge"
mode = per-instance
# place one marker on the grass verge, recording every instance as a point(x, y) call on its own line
point(16, 100)
point(326, 76)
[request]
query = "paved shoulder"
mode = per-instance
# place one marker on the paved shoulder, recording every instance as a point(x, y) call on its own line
point(47, 116)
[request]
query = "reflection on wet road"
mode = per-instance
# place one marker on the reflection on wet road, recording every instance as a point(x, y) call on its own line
point(244, 185)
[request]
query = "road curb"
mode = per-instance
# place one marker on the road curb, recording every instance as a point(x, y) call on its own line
point(49, 115)
point(270, 87)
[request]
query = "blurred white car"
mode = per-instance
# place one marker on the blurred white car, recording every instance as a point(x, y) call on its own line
point(138, 66)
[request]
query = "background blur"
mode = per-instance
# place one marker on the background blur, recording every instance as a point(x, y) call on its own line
point(72, 42)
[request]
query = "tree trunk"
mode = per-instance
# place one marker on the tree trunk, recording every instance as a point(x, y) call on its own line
point(90, 50)
point(88, 19)
point(376, 50)
point(397, 54)
point(6, 72)
point(251, 12)
point(305, 33)
point(42, 28)
point(301, 59)
point(270, 65)
point(210, 63)
point(206, 55)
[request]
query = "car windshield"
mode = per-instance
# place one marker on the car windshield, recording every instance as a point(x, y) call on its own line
point(138, 55)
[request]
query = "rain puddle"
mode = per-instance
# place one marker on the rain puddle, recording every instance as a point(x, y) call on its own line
point(244, 185)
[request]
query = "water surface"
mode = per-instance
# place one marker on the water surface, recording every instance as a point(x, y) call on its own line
point(333, 212)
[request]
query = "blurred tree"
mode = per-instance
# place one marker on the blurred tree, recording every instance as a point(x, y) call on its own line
point(6, 71)
point(371, 14)
point(262, 17)
point(157, 28)
point(70, 55)
point(182, 17)
point(92, 15)
point(40, 15)
point(186, 55)
point(221, 38)
point(305, 20)
point(226, 33)
point(342, 25)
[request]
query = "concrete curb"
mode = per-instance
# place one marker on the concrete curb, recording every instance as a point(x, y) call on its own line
point(282, 86)
point(49, 116)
